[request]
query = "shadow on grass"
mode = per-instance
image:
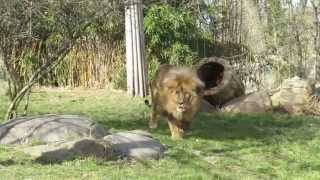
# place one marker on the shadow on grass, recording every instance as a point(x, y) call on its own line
point(186, 160)
point(245, 126)
point(7, 162)
point(267, 128)
point(237, 126)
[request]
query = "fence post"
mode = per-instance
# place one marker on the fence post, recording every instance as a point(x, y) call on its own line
point(136, 69)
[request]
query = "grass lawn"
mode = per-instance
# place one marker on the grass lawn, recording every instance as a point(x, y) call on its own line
point(222, 146)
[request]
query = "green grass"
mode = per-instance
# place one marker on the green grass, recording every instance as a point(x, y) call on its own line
point(221, 146)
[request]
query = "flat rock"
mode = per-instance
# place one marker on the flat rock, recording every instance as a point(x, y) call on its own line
point(136, 145)
point(256, 102)
point(61, 151)
point(49, 128)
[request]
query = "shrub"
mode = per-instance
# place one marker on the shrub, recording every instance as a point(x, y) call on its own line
point(170, 33)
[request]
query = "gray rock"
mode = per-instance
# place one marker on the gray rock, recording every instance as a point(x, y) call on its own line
point(141, 132)
point(205, 106)
point(293, 95)
point(135, 145)
point(61, 151)
point(256, 102)
point(48, 128)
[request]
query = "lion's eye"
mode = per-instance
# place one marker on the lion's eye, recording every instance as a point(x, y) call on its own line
point(171, 89)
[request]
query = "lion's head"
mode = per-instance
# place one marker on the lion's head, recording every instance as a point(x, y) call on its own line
point(176, 94)
point(183, 89)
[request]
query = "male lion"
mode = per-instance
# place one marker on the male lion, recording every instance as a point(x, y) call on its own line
point(175, 94)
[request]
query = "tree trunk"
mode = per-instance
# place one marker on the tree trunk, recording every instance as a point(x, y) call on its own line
point(317, 37)
point(136, 69)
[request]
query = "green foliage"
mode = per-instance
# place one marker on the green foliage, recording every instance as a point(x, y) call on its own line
point(31, 33)
point(277, 21)
point(170, 32)
point(110, 27)
point(153, 65)
point(289, 36)
point(28, 64)
point(177, 32)
point(172, 36)
point(180, 54)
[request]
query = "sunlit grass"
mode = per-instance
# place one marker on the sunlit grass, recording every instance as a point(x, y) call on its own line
point(221, 146)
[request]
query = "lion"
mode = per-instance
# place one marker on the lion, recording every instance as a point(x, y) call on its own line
point(176, 93)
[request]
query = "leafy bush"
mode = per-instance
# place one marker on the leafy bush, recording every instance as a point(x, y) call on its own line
point(170, 33)
point(153, 65)
point(33, 32)
point(180, 54)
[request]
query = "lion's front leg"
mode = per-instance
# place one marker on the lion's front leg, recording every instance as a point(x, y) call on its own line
point(175, 129)
point(185, 125)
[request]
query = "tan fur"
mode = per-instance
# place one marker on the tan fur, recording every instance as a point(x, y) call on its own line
point(175, 94)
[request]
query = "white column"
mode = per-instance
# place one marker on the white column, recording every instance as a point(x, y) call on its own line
point(129, 45)
point(136, 69)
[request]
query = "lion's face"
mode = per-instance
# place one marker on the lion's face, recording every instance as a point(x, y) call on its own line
point(182, 98)
point(183, 92)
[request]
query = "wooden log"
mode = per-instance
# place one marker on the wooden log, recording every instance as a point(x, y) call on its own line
point(222, 83)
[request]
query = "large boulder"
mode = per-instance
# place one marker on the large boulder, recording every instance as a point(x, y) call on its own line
point(206, 107)
point(293, 95)
point(61, 151)
point(256, 102)
point(56, 138)
point(313, 103)
point(49, 128)
point(136, 145)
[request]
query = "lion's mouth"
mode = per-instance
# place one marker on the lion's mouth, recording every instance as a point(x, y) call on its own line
point(181, 108)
